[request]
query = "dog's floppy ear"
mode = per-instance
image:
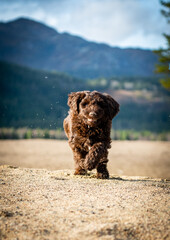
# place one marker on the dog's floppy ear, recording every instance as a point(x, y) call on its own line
point(74, 100)
point(113, 106)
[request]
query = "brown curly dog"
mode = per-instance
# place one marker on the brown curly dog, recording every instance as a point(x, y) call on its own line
point(88, 127)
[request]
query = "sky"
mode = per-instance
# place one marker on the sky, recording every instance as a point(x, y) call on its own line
point(122, 23)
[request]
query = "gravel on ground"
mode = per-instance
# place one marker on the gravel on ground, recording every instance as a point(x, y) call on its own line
point(44, 204)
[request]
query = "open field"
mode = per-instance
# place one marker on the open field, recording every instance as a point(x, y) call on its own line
point(133, 158)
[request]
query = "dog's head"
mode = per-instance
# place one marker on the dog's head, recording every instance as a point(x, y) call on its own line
point(92, 107)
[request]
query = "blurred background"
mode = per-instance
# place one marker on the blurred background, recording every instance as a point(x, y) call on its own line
point(51, 48)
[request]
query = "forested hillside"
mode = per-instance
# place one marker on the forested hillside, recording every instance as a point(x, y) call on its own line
point(33, 98)
point(38, 99)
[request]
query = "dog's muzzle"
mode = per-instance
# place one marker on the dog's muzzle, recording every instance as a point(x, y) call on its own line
point(92, 114)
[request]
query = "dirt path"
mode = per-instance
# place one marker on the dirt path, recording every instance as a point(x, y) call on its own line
point(132, 158)
point(43, 204)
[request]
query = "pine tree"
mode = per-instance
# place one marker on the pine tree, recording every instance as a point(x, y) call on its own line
point(164, 54)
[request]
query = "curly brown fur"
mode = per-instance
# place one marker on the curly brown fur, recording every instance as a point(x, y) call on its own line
point(88, 127)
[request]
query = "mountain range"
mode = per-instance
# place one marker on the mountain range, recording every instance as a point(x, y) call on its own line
point(33, 44)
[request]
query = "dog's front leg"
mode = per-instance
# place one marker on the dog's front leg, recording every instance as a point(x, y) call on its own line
point(96, 152)
point(102, 171)
point(79, 162)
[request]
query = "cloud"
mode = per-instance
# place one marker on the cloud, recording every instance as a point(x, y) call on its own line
point(126, 23)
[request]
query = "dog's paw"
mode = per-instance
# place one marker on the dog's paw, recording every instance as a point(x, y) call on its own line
point(103, 175)
point(89, 164)
point(91, 167)
point(80, 172)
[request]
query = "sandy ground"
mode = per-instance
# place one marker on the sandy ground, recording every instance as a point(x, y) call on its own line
point(132, 158)
point(42, 204)
point(38, 202)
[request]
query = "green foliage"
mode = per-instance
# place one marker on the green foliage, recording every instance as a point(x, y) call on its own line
point(165, 82)
point(28, 134)
point(133, 135)
point(164, 12)
point(127, 83)
point(164, 54)
point(122, 135)
point(46, 134)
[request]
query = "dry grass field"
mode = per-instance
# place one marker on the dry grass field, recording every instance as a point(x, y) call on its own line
point(131, 158)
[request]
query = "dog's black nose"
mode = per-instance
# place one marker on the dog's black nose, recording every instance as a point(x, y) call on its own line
point(92, 114)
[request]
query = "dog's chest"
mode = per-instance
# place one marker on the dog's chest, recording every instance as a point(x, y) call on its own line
point(92, 133)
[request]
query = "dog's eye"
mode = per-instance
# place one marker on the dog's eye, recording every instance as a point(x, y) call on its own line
point(84, 104)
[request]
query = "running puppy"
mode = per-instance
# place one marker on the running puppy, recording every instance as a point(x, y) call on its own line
point(88, 127)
